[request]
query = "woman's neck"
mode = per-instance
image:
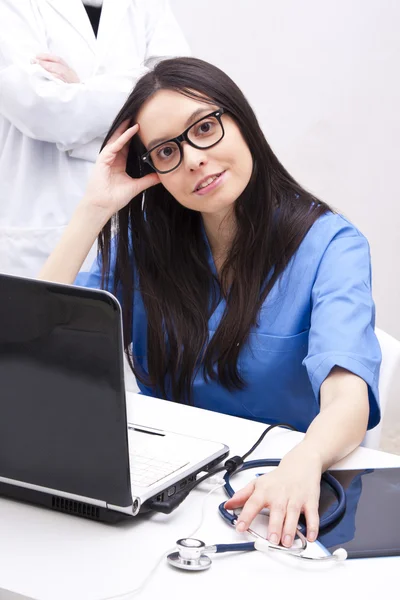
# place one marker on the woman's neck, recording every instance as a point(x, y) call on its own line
point(220, 230)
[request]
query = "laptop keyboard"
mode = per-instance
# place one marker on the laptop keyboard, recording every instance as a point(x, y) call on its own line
point(151, 459)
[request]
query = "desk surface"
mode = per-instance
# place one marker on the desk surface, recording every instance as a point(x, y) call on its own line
point(45, 555)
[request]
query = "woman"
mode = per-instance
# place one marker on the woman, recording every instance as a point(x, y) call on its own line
point(240, 291)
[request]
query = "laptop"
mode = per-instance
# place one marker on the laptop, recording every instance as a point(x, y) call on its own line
point(65, 442)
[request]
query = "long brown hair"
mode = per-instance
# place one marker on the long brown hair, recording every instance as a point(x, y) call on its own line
point(163, 243)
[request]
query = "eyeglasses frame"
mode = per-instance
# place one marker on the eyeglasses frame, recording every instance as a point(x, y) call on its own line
point(183, 137)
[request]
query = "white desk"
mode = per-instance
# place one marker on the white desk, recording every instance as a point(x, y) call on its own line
point(45, 555)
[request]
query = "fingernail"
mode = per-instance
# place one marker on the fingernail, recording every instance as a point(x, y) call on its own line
point(241, 526)
point(312, 536)
point(287, 540)
point(273, 538)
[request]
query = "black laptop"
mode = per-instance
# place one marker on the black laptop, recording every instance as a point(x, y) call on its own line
point(65, 442)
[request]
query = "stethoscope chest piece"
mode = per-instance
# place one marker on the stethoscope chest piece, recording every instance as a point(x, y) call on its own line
point(189, 555)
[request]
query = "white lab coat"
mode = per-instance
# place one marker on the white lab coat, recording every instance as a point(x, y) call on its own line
point(51, 131)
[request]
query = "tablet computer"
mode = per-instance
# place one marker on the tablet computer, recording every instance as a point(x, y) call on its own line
point(371, 524)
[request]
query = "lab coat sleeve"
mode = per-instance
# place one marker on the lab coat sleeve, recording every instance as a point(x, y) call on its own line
point(88, 151)
point(41, 106)
point(343, 318)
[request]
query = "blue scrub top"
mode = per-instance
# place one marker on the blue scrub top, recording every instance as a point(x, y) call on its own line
point(319, 314)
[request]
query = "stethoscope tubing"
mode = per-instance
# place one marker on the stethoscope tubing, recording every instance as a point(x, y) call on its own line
point(326, 521)
point(192, 554)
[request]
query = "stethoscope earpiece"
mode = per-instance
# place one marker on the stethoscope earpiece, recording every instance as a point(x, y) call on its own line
point(263, 545)
point(340, 554)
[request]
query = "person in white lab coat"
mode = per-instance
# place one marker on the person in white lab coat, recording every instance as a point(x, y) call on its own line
point(61, 86)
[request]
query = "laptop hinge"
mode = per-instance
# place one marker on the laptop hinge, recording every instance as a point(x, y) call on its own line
point(129, 510)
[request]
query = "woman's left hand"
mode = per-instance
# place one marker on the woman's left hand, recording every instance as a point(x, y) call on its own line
point(290, 489)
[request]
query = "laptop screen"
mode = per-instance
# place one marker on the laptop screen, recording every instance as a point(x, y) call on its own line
point(62, 402)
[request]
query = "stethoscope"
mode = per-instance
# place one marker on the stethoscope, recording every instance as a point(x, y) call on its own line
point(193, 555)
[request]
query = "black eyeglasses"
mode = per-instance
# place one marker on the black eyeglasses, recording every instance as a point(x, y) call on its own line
point(204, 133)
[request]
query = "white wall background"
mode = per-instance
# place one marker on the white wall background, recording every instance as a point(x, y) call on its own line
point(324, 80)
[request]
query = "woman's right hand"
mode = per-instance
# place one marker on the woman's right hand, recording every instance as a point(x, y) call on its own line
point(110, 188)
